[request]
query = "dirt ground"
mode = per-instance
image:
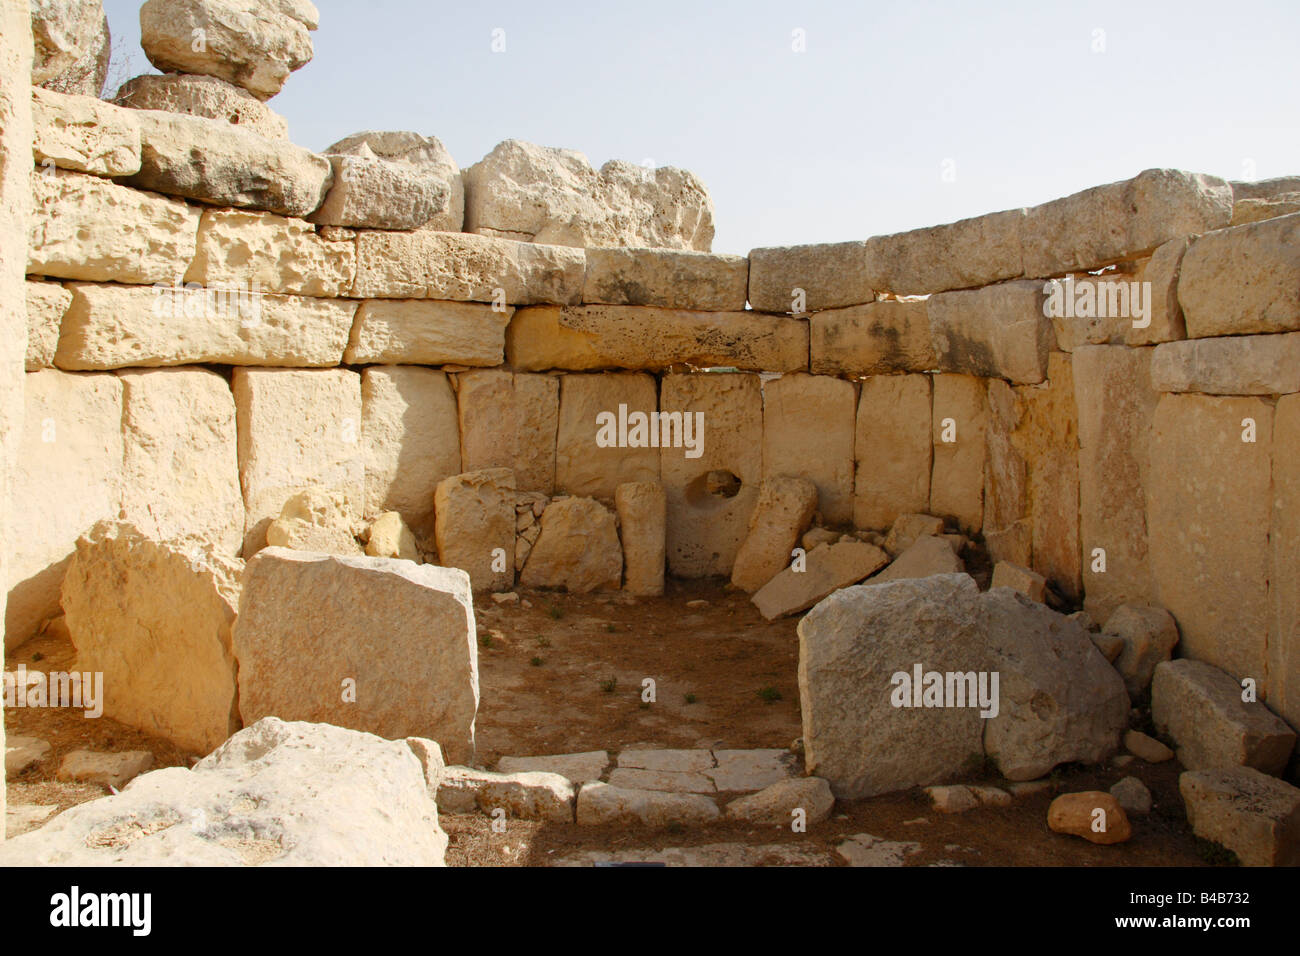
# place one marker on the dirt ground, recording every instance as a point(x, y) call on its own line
point(563, 673)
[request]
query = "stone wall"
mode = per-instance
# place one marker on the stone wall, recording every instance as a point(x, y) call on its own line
point(203, 346)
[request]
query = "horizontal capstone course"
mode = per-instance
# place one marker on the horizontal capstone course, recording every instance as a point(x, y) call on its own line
point(84, 133)
point(115, 326)
point(958, 255)
point(872, 339)
point(421, 332)
point(466, 268)
point(999, 331)
point(666, 278)
point(264, 252)
point(1233, 365)
point(830, 275)
point(1243, 280)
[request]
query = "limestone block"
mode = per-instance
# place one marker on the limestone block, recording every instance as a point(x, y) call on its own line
point(1149, 635)
point(907, 529)
point(475, 527)
point(417, 332)
point(114, 326)
point(1146, 748)
point(666, 278)
point(204, 96)
point(403, 633)
point(84, 227)
point(298, 429)
point(960, 418)
point(808, 432)
point(926, 556)
point(391, 538)
point(711, 488)
point(1208, 514)
point(830, 275)
point(409, 441)
point(893, 449)
point(576, 768)
point(668, 760)
point(613, 336)
point(522, 795)
point(542, 194)
point(1028, 582)
point(1008, 534)
point(1122, 220)
point(1283, 665)
point(776, 804)
point(999, 331)
point(591, 458)
point(828, 568)
point(239, 168)
point(751, 770)
point(314, 520)
point(114, 770)
point(253, 45)
point(426, 154)
point(63, 34)
point(642, 509)
point(1257, 210)
point(578, 549)
point(154, 617)
point(373, 193)
point(1252, 814)
point(1162, 272)
point(873, 339)
point(1116, 404)
point(85, 134)
point(601, 804)
point(958, 255)
point(1234, 365)
point(23, 752)
point(1200, 707)
point(668, 781)
point(66, 475)
point(465, 268)
point(263, 252)
point(1243, 280)
point(46, 304)
point(1093, 814)
point(782, 513)
point(180, 462)
point(509, 420)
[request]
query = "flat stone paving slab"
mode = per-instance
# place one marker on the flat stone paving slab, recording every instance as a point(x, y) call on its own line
point(107, 770)
point(682, 761)
point(578, 768)
point(22, 752)
point(749, 770)
point(710, 854)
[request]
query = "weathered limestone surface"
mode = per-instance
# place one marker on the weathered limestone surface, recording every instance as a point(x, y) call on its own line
point(426, 154)
point(264, 252)
point(277, 794)
point(998, 331)
point(960, 417)
point(391, 538)
point(409, 441)
point(613, 336)
point(781, 514)
point(401, 633)
point(584, 467)
point(1242, 280)
point(180, 462)
point(604, 804)
point(475, 526)
point(667, 279)
point(63, 33)
point(1058, 698)
point(106, 770)
point(1008, 532)
point(46, 304)
point(1149, 635)
point(1252, 814)
point(893, 449)
point(577, 550)
point(1162, 270)
point(254, 45)
point(419, 332)
point(1092, 814)
point(1116, 404)
point(373, 193)
point(466, 268)
point(1233, 365)
point(907, 528)
point(298, 429)
point(830, 275)
point(707, 514)
point(16, 63)
point(84, 227)
point(1209, 508)
point(642, 509)
point(65, 475)
point(1029, 583)
point(1047, 439)
point(1200, 708)
point(958, 255)
point(777, 803)
point(576, 768)
point(240, 168)
point(314, 520)
point(873, 339)
point(114, 326)
point(808, 432)
point(1122, 220)
point(1283, 665)
point(522, 795)
point(922, 558)
point(542, 194)
point(85, 134)
point(509, 420)
point(154, 617)
point(204, 96)
point(828, 568)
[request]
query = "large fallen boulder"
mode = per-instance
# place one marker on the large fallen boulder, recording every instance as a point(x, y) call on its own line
point(375, 644)
point(154, 617)
point(275, 794)
point(914, 682)
point(542, 194)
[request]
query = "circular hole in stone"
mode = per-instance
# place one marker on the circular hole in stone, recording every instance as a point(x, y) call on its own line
point(713, 488)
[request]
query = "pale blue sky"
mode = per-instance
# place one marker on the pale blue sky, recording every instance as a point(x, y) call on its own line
point(845, 140)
